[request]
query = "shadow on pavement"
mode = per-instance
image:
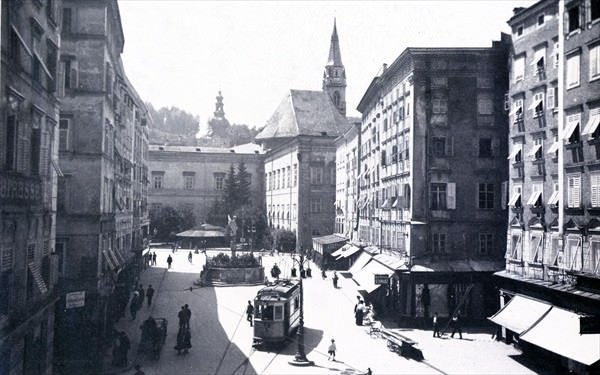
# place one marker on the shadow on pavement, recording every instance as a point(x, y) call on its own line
point(312, 338)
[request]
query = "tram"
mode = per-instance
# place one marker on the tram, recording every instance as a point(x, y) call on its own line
point(276, 313)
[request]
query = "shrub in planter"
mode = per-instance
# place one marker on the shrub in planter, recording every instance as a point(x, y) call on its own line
point(222, 260)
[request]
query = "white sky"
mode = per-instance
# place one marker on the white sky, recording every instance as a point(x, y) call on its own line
point(181, 53)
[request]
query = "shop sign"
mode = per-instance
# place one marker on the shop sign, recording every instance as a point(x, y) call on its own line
point(381, 279)
point(75, 299)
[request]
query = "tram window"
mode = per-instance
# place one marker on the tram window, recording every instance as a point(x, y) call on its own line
point(278, 312)
point(296, 303)
point(266, 312)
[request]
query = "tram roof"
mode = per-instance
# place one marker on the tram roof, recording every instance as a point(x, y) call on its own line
point(282, 288)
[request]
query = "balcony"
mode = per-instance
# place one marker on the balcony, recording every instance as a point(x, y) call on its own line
point(20, 190)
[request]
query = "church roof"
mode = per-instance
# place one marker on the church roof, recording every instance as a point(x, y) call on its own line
point(304, 112)
point(335, 57)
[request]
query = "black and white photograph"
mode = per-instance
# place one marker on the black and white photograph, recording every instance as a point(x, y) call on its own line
point(351, 187)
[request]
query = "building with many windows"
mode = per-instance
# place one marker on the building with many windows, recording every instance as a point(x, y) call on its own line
point(102, 215)
point(28, 174)
point(553, 241)
point(430, 196)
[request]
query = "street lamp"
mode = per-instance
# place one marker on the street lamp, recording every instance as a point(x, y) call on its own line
point(300, 357)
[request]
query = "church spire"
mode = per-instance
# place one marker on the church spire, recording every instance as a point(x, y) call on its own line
point(334, 77)
point(219, 112)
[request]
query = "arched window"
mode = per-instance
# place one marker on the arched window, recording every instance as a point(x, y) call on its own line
point(336, 98)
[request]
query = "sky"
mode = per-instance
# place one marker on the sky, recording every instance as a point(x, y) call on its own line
point(183, 52)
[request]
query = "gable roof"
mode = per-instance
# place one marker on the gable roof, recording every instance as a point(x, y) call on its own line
point(304, 112)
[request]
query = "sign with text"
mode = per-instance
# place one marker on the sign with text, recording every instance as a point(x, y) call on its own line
point(75, 299)
point(381, 279)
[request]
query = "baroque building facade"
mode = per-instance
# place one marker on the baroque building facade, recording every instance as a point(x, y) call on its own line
point(28, 176)
point(102, 214)
point(430, 172)
point(551, 278)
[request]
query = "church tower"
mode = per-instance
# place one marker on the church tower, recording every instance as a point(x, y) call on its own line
point(334, 77)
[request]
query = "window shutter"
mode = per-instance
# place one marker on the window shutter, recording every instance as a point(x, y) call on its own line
point(504, 195)
point(73, 74)
point(595, 189)
point(61, 79)
point(450, 146)
point(495, 147)
point(451, 202)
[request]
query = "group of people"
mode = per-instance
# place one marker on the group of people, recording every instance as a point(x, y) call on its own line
point(184, 337)
point(137, 300)
point(152, 259)
point(363, 310)
point(121, 346)
point(153, 336)
point(455, 323)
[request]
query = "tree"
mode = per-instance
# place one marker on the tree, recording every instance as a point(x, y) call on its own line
point(168, 221)
point(229, 197)
point(284, 240)
point(242, 185)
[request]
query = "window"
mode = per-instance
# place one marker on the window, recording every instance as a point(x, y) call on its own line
point(595, 9)
point(36, 143)
point(540, 20)
point(556, 55)
point(440, 105)
point(64, 126)
point(158, 180)
point(439, 147)
point(155, 206)
point(572, 71)
point(595, 189)
point(537, 106)
point(520, 31)
point(438, 196)
point(438, 243)
point(486, 243)
point(573, 15)
point(51, 64)
point(536, 247)
point(595, 62)
point(316, 175)
point(552, 97)
point(539, 60)
point(516, 247)
point(288, 176)
point(538, 148)
point(295, 172)
point(188, 180)
point(517, 110)
point(315, 206)
point(572, 132)
point(485, 104)
point(485, 148)
point(439, 82)
point(519, 69)
point(574, 191)
point(67, 20)
point(219, 180)
point(486, 196)
point(591, 263)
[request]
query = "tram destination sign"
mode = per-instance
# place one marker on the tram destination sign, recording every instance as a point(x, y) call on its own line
point(381, 279)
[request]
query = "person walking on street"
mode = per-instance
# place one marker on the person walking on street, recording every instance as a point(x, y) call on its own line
point(335, 280)
point(187, 316)
point(169, 261)
point(249, 312)
point(181, 316)
point(138, 370)
point(124, 346)
point(359, 313)
point(133, 305)
point(142, 296)
point(331, 351)
point(190, 257)
point(456, 326)
point(154, 258)
point(150, 294)
point(323, 273)
point(436, 325)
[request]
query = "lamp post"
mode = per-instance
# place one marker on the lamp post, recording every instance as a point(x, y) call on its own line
point(300, 357)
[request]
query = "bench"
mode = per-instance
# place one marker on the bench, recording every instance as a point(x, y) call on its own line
point(402, 345)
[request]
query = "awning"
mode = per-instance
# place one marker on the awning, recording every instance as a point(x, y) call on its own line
point(366, 276)
point(534, 198)
point(37, 277)
point(534, 150)
point(535, 104)
point(538, 60)
point(396, 202)
point(201, 233)
point(520, 313)
point(514, 199)
point(553, 201)
point(360, 262)
point(349, 251)
point(558, 332)
point(387, 204)
point(25, 47)
point(591, 125)
point(514, 152)
point(553, 148)
point(56, 167)
point(570, 130)
point(41, 61)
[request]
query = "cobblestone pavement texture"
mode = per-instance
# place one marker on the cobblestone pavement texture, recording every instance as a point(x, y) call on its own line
point(222, 338)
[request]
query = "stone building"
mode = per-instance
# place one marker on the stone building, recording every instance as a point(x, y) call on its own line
point(551, 279)
point(28, 174)
point(432, 166)
point(102, 213)
point(299, 140)
point(194, 177)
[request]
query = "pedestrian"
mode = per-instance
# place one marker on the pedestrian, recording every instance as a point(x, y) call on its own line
point(181, 315)
point(150, 294)
point(249, 312)
point(124, 345)
point(142, 296)
point(190, 257)
point(331, 351)
point(436, 325)
point(184, 340)
point(188, 316)
point(133, 304)
point(138, 370)
point(369, 372)
point(359, 313)
point(154, 258)
point(456, 326)
point(170, 260)
point(335, 280)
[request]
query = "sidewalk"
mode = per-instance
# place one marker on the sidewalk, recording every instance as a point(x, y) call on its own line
point(154, 276)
